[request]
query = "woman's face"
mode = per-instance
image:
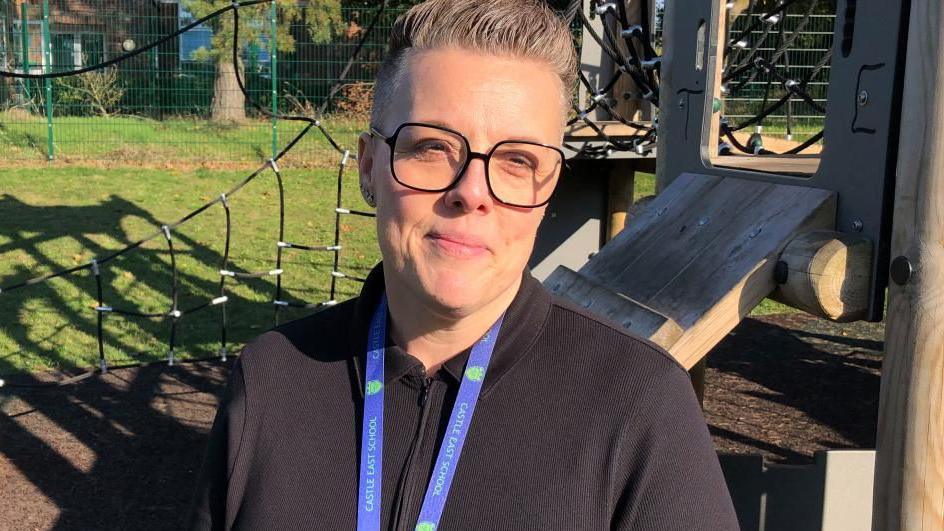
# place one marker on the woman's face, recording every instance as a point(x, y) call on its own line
point(461, 249)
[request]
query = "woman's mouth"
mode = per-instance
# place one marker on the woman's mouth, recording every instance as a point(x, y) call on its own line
point(458, 245)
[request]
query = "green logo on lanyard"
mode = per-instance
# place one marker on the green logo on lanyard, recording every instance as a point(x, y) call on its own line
point(374, 387)
point(425, 526)
point(475, 373)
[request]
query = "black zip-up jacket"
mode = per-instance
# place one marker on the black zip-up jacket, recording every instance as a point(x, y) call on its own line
point(579, 426)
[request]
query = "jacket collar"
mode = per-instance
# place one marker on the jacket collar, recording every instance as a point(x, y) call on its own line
point(524, 320)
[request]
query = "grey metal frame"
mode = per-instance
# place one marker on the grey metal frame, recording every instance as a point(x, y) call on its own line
point(861, 136)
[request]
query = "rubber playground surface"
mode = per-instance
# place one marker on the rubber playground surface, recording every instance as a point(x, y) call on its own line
point(122, 451)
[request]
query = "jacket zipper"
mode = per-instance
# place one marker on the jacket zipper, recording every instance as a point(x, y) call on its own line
point(408, 499)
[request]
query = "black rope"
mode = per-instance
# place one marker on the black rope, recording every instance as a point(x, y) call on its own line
point(223, 265)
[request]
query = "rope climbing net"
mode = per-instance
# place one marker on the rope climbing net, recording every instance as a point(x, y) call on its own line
point(229, 272)
point(629, 47)
point(757, 51)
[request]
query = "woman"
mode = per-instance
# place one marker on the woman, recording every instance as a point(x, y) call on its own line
point(455, 392)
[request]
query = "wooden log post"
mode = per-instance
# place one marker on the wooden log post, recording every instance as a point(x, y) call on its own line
point(909, 475)
point(827, 274)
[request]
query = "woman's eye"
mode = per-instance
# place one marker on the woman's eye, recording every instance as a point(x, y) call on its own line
point(520, 160)
point(433, 146)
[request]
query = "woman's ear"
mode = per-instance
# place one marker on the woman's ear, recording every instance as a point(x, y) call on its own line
point(365, 163)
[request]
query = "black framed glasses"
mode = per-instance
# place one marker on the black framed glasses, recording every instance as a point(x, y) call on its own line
point(432, 158)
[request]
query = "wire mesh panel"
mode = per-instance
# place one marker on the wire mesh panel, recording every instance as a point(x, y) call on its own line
point(179, 101)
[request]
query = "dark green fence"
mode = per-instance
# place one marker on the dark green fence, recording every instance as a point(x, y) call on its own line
point(159, 105)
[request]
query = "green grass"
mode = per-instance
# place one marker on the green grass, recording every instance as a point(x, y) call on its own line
point(179, 141)
point(57, 218)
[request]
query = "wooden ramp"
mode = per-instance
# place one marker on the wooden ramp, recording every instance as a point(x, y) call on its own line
point(695, 260)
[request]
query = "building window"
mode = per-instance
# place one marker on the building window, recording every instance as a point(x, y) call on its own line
point(34, 45)
point(77, 50)
point(193, 39)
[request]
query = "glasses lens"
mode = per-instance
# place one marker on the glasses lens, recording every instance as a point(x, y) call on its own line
point(427, 158)
point(524, 174)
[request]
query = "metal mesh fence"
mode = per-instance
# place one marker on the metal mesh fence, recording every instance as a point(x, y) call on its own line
point(165, 104)
point(795, 47)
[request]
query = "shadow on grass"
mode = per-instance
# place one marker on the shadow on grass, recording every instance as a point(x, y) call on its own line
point(138, 281)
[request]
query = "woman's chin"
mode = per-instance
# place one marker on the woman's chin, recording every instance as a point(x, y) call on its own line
point(456, 290)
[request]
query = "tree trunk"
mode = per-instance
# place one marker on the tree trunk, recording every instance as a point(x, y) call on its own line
point(229, 103)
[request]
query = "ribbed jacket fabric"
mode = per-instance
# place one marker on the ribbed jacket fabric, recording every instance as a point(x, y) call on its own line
point(579, 426)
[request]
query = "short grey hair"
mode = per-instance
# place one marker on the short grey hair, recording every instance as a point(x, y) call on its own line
point(528, 29)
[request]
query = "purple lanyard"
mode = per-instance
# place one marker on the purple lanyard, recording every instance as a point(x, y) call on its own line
point(368, 497)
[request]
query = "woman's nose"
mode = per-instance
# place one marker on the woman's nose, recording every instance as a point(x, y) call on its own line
point(471, 193)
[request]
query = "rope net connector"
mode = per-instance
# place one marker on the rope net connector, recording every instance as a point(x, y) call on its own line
point(741, 44)
point(274, 165)
point(224, 200)
point(275, 272)
point(633, 31)
point(219, 300)
point(222, 353)
point(280, 303)
point(174, 314)
point(772, 19)
point(166, 230)
point(104, 309)
point(283, 244)
point(95, 270)
point(338, 274)
point(227, 273)
point(602, 9)
point(347, 153)
point(652, 64)
point(340, 210)
point(103, 366)
point(170, 358)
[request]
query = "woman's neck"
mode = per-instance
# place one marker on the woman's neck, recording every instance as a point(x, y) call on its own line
point(434, 336)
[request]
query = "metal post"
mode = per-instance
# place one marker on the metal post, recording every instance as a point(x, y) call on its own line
point(24, 49)
point(47, 52)
point(273, 74)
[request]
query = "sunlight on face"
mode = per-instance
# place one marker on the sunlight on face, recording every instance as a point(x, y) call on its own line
point(459, 250)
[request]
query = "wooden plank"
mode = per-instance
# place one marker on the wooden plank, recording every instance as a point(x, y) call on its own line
point(909, 475)
point(800, 165)
point(621, 310)
point(702, 252)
